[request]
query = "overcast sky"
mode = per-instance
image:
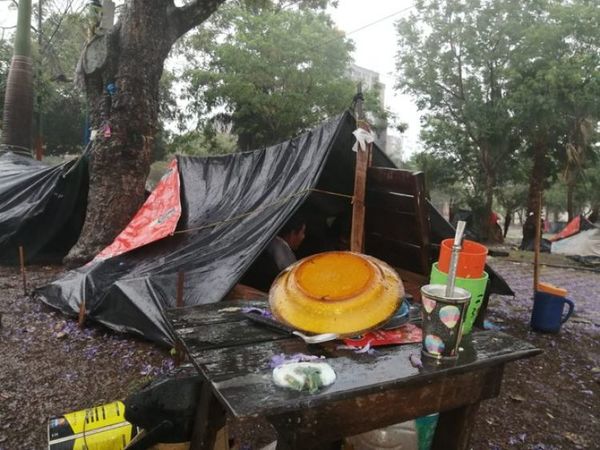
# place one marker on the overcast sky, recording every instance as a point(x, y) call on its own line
point(375, 49)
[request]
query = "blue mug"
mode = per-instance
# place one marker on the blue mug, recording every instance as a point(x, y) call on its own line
point(547, 314)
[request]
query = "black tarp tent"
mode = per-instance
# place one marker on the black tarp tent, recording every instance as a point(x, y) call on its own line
point(232, 206)
point(42, 207)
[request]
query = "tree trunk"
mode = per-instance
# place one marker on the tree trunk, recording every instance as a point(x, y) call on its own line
point(538, 174)
point(18, 100)
point(570, 207)
point(507, 220)
point(125, 118)
point(486, 224)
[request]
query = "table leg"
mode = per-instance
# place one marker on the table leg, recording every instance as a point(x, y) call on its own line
point(289, 440)
point(454, 428)
point(210, 417)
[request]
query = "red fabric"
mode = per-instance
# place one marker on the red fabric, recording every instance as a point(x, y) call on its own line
point(156, 219)
point(572, 228)
point(493, 218)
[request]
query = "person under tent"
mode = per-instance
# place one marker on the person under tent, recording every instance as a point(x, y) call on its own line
point(279, 254)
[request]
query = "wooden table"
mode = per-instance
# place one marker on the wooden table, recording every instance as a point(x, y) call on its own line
point(371, 391)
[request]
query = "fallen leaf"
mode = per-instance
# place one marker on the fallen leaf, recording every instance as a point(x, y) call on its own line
point(230, 309)
point(581, 320)
point(576, 439)
point(550, 415)
point(517, 398)
point(595, 369)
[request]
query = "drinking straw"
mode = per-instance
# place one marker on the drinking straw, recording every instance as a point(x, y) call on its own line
point(458, 237)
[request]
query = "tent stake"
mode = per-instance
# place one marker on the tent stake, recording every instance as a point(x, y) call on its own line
point(363, 158)
point(22, 265)
point(178, 357)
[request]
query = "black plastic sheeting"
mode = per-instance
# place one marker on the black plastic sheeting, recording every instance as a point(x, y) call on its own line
point(42, 207)
point(130, 291)
point(234, 205)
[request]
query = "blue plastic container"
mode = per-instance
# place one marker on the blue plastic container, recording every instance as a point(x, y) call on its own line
point(548, 312)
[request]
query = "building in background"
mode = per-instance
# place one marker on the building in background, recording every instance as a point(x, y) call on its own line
point(394, 147)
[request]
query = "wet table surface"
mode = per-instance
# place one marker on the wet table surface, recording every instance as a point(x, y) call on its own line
point(234, 356)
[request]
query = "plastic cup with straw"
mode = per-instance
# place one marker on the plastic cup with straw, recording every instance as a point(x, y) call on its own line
point(444, 308)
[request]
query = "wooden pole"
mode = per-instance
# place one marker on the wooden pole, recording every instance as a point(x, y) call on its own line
point(537, 242)
point(178, 359)
point(363, 158)
point(22, 265)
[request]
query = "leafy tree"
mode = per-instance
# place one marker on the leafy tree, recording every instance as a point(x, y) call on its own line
point(5, 57)
point(453, 56)
point(58, 105)
point(18, 97)
point(439, 172)
point(554, 80)
point(199, 143)
point(502, 82)
point(120, 70)
point(270, 74)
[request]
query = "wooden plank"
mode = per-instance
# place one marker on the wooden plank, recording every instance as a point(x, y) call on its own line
point(423, 221)
point(358, 202)
point(336, 419)
point(242, 376)
point(218, 335)
point(390, 201)
point(194, 316)
point(412, 277)
point(393, 225)
point(397, 254)
point(393, 180)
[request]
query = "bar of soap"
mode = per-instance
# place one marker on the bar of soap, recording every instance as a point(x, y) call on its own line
point(296, 375)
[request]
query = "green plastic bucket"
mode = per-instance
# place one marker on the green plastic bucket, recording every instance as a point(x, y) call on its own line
point(476, 286)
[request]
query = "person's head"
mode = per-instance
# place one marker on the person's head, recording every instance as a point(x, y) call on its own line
point(293, 231)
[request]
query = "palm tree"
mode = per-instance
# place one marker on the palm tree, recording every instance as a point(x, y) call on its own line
point(18, 100)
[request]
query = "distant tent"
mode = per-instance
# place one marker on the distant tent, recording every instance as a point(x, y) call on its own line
point(230, 208)
point(42, 207)
point(585, 243)
point(578, 224)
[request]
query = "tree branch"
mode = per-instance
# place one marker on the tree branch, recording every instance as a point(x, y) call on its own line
point(448, 90)
point(182, 19)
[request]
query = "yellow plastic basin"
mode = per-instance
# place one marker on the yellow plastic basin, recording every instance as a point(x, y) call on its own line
point(336, 292)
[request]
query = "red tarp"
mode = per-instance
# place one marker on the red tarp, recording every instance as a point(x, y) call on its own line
point(156, 219)
point(573, 227)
